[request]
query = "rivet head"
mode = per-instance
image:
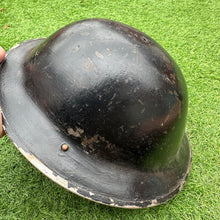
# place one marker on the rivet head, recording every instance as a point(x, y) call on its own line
point(64, 147)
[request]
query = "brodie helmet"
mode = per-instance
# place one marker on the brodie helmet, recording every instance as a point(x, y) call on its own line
point(100, 108)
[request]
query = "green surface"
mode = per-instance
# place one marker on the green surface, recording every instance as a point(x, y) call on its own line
point(190, 32)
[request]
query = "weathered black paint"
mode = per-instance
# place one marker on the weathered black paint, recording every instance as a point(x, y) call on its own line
point(115, 97)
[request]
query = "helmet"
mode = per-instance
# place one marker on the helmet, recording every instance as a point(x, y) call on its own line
point(100, 108)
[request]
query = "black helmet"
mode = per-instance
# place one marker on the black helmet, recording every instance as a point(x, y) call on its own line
point(100, 108)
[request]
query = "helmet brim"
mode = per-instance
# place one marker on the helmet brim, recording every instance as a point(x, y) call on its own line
point(39, 140)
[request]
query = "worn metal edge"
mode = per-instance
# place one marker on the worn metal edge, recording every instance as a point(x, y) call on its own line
point(64, 183)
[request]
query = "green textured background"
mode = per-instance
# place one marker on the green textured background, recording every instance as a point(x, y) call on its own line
point(190, 32)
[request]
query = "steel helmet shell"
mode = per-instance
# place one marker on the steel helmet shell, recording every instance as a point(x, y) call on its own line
point(114, 98)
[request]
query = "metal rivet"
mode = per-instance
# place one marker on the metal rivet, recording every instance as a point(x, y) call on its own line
point(64, 147)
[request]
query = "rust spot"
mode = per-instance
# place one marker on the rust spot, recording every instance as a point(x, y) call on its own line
point(1, 9)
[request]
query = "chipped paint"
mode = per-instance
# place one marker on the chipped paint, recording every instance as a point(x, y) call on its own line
point(14, 47)
point(56, 128)
point(84, 33)
point(154, 202)
point(89, 142)
point(112, 200)
point(114, 203)
point(133, 126)
point(91, 194)
point(113, 96)
point(140, 101)
point(5, 120)
point(76, 49)
point(90, 65)
point(110, 103)
point(122, 128)
point(44, 169)
point(74, 190)
point(143, 110)
point(99, 55)
point(76, 133)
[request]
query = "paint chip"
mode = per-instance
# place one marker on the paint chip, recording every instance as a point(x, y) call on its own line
point(76, 133)
point(91, 194)
point(143, 110)
point(111, 200)
point(140, 101)
point(76, 49)
point(99, 55)
point(154, 202)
